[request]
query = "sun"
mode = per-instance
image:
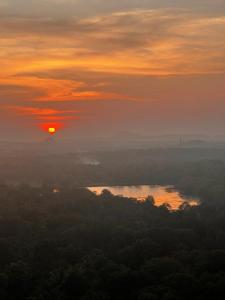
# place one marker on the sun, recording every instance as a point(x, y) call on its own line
point(52, 130)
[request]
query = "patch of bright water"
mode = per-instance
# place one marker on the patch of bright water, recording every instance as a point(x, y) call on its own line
point(161, 194)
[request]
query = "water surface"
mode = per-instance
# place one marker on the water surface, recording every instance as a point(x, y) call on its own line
point(161, 194)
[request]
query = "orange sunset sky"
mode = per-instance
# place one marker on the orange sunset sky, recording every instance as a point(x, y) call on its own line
point(104, 66)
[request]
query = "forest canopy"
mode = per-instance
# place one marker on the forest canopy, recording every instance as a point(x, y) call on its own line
point(76, 245)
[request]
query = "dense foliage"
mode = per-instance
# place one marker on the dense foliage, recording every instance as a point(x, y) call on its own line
point(73, 244)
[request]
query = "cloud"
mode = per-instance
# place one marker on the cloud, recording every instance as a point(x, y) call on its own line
point(150, 42)
point(47, 58)
point(94, 7)
point(45, 114)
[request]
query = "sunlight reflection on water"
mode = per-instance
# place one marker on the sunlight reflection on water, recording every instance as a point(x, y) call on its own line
point(161, 194)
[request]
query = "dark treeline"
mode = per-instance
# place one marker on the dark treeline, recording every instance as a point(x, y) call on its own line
point(73, 244)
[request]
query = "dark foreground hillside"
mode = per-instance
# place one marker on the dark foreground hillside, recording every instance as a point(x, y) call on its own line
point(75, 245)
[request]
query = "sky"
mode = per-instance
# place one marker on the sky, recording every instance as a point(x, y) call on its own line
point(100, 67)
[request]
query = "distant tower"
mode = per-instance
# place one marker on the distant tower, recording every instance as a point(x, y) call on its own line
point(180, 142)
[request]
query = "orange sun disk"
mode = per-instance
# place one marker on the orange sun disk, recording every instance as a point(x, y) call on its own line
point(51, 130)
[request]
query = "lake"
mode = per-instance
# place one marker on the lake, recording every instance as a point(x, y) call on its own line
point(161, 194)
